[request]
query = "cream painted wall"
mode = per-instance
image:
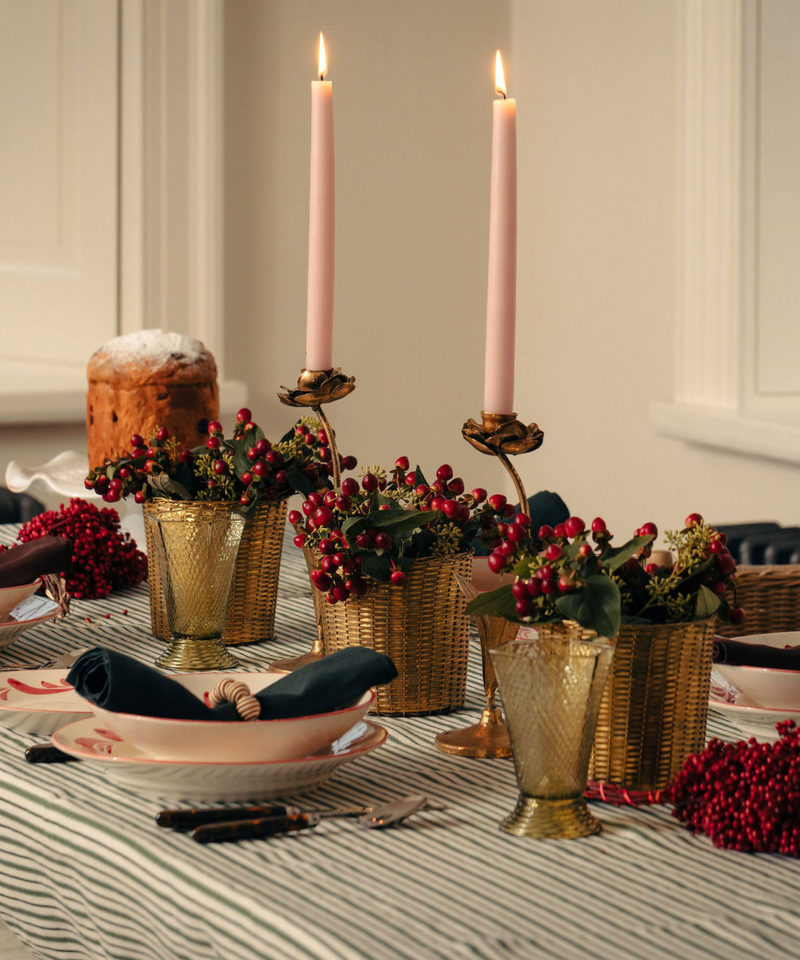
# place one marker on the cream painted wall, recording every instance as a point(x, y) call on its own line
point(597, 91)
point(413, 87)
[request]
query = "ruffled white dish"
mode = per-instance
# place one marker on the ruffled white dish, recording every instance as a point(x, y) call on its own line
point(39, 701)
point(218, 782)
point(11, 597)
point(33, 611)
point(63, 474)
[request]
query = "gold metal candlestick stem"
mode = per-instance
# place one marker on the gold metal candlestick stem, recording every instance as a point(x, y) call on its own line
point(499, 435)
point(315, 388)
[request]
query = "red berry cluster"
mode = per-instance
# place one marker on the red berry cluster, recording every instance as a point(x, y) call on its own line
point(246, 467)
point(103, 558)
point(744, 796)
point(368, 531)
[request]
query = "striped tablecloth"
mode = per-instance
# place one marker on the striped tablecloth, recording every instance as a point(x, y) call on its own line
point(86, 873)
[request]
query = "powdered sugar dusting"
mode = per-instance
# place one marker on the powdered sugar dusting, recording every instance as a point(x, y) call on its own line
point(154, 347)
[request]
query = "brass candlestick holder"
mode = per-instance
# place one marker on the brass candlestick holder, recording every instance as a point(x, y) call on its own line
point(314, 389)
point(499, 435)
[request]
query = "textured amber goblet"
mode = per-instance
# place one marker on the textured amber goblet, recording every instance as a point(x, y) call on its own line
point(197, 551)
point(551, 692)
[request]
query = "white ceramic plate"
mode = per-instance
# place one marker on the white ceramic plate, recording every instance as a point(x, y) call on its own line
point(63, 474)
point(33, 611)
point(39, 701)
point(762, 686)
point(758, 722)
point(218, 782)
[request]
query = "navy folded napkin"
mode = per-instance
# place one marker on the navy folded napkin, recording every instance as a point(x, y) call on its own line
point(738, 653)
point(29, 561)
point(121, 684)
point(545, 508)
point(115, 682)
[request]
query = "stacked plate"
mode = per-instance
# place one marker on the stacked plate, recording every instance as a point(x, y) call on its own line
point(754, 699)
point(186, 759)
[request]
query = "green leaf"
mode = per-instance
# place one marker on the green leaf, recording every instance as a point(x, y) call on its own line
point(299, 482)
point(401, 523)
point(615, 556)
point(708, 603)
point(596, 605)
point(381, 500)
point(499, 602)
point(376, 566)
point(162, 485)
point(419, 477)
point(241, 464)
point(353, 526)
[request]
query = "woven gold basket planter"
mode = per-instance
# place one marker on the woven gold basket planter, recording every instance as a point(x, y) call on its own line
point(655, 704)
point(770, 597)
point(422, 626)
point(251, 612)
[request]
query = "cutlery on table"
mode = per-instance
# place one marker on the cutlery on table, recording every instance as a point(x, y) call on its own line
point(47, 753)
point(65, 660)
point(208, 826)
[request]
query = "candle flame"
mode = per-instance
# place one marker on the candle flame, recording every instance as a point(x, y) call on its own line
point(499, 75)
point(323, 60)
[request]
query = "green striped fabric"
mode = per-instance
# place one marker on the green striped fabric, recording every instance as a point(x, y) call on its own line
point(87, 874)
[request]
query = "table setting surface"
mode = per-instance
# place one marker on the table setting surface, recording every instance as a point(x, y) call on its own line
point(88, 874)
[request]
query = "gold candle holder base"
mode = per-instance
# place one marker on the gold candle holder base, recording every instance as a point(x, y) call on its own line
point(488, 738)
point(186, 653)
point(544, 819)
point(315, 388)
point(287, 665)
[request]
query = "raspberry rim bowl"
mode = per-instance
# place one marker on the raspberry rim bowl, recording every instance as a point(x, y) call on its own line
point(765, 687)
point(234, 741)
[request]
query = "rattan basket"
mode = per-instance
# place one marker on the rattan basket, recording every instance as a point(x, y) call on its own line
point(770, 597)
point(422, 626)
point(251, 614)
point(655, 704)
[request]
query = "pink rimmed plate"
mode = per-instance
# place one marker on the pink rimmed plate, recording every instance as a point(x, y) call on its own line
point(755, 721)
point(39, 701)
point(215, 782)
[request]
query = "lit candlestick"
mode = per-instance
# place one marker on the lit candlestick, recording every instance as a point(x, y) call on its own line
point(502, 293)
point(321, 223)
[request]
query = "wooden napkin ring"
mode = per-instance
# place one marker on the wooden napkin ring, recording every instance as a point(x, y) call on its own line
point(237, 693)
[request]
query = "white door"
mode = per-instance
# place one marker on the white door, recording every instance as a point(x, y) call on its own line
point(59, 86)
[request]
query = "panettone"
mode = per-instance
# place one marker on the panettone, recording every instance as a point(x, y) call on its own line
point(145, 380)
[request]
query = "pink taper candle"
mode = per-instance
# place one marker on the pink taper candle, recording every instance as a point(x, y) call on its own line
point(321, 224)
point(501, 301)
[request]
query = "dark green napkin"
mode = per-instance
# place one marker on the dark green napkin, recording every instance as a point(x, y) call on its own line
point(740, 653)
point(29, 561)
point(115, 682)
point(319, 687)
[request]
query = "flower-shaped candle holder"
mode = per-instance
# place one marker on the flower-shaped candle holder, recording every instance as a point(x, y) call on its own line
point(501, 435)
point(315, 388)
point(498, 435)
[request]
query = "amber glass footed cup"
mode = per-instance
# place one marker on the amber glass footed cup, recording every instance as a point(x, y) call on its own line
point(197, 551)
point(551, 691)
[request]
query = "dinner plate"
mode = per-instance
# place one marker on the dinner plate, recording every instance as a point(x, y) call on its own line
point(39, 701)
point(758, 722)
point(214, 782)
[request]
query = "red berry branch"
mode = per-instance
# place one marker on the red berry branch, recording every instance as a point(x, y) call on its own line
point(103, 558)
point(746, 795)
